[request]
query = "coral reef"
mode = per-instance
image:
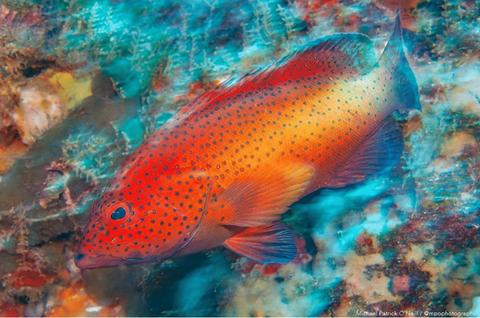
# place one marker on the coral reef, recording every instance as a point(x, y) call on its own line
point(84, 82)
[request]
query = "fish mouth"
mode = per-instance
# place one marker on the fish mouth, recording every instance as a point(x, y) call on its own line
point(83, 261)
point(95, 260)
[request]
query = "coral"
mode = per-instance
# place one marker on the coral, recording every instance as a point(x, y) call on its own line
point(282, 294)
point(7, 310)
point(73, 301)
point(43, 102)
point(33, 97)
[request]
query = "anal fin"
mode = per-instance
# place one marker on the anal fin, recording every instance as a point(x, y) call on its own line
point(273, 243)
point(379, 153)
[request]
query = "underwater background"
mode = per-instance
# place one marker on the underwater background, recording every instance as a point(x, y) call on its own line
point(84, 82)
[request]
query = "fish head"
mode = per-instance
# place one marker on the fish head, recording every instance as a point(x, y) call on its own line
point(143, 227)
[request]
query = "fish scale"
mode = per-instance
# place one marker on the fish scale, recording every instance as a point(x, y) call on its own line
point(227, 165)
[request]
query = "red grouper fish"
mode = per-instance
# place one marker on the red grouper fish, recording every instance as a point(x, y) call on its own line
point(223, 170)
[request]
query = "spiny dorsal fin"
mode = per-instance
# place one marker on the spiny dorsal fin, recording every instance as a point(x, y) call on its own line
point(348, 54)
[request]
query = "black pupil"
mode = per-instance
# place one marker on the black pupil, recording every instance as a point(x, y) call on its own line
point(118, 214)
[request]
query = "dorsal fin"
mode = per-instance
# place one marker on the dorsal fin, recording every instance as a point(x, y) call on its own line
point(348, 54)
point(378, 153)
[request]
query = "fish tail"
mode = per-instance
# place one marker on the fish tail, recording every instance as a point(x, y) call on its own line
point(393, 60)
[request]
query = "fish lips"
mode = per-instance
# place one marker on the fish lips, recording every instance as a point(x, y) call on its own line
point(83, 261)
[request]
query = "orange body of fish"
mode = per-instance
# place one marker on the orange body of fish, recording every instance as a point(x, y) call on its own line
point(223, 170)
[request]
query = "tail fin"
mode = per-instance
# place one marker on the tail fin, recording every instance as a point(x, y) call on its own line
point(394, 61)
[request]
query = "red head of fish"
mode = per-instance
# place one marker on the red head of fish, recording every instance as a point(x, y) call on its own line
point(148, 212)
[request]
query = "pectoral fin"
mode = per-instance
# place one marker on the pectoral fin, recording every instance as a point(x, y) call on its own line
point(260, 197)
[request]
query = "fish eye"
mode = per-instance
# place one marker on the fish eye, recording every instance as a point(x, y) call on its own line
point(116, 209)
point(118, 214)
